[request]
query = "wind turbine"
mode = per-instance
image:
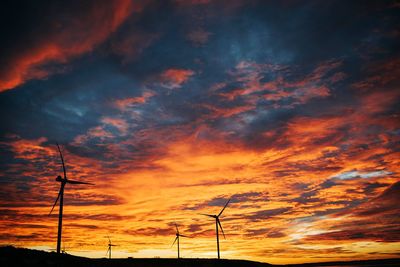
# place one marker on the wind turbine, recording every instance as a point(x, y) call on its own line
point(177, 234)
point(64, 251)
point(218, 223)
point(109, 248)
point(60, 197)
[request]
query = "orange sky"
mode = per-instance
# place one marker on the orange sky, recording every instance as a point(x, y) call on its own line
point(272, 216)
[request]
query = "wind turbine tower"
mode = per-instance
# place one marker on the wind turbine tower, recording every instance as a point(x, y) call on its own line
point(177, 234)
point(218, 223)
point(109, 247)
point(63, 182)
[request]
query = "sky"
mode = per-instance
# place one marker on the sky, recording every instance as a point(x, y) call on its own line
point(172, 107)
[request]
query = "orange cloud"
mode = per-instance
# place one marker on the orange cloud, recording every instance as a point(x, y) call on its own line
point(174, 78)
point(221, 112)
point(284, 213)
point(118, 123)
point(122, 104)
point(300, 90)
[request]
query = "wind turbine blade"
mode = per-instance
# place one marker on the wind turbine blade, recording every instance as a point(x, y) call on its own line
point(224, 207)
point(220, 226)
point(177, 230)
point(107, 251)
point(109, 240)
point(184, 236)
point(212, 216)
point(77, 182)
point(55, 203)
point(62, 161)
point(176, 238)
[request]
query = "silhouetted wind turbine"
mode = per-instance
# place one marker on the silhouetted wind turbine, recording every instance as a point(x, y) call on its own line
point(109, 247)
point(218, 223)
point(177, 238)
point(64, 251)
point(60, 197)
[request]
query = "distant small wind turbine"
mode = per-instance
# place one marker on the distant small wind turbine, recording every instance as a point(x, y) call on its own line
point(218, 223)
point(177, 234)
point(109, 247)
point(64, 251)
point(60, 197)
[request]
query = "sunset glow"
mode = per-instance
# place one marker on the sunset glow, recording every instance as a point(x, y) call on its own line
point(170, 108)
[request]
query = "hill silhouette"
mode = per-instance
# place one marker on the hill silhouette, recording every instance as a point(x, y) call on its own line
point(11, 256)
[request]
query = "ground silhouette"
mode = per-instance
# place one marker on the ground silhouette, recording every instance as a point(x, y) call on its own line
point(11, 256)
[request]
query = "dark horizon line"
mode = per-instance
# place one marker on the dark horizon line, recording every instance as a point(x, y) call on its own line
point(322, 263)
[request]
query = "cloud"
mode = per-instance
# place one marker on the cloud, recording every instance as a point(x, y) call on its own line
point(174, 78)
point(224, 112)
point(385, 202)
point(192, 2)
point(152, 231)
point(130, 45)
point(83, 226)
point(194, 228)
point(198, 37)
point(356, 174)
point(109, 128)
point(76, 31)
point(120, 124)
point(125, 103)
point(266, 232)
point(282, 82)
point(14, 237)
point(265, 214)
point(240, 198)
point(177, 107)
point(379, 235)
point(378, 217)
point(91, 199)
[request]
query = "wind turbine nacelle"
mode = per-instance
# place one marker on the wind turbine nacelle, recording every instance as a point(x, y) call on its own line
point(59, 179)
